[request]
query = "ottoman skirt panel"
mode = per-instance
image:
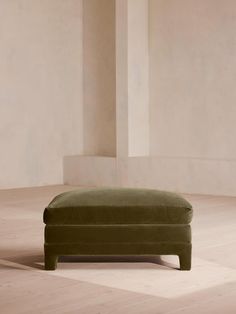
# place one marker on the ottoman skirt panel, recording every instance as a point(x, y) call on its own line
point(117, 221)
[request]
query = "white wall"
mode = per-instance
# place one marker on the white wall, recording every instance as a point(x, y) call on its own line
point(40, 89)
point(193, 75)
point(43, 77)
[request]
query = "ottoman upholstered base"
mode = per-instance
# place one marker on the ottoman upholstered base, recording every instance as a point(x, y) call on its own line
point(118, 221)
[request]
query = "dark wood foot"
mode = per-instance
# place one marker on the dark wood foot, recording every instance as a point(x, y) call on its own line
point(50, 261)
point(185, 259)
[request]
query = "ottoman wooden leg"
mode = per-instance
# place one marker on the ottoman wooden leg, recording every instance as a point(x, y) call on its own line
point(185, 259)
point(50, 261)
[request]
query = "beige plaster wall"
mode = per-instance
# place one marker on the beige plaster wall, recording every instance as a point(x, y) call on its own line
point(192, 80)
point(99, 77)
point(40, 89)
point(192, 74)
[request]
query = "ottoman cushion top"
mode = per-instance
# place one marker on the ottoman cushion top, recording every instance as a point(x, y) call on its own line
point(118, 206)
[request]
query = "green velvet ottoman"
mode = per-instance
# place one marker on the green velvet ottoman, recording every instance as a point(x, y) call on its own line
point(118, 221)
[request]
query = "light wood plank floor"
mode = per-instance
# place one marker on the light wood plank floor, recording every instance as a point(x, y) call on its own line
point(104, 286)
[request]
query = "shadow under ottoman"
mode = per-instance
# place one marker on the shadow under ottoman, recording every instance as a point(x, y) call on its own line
point(118, 221)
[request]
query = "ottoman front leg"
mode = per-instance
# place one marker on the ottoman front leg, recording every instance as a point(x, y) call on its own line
point(50, 261)
point(185, 259)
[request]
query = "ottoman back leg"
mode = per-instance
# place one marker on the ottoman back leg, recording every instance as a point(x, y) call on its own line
point(185, 258)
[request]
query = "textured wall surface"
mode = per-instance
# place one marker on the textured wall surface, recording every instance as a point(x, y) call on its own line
point(40, 89)
point(65, 73)
point(192, 73)
point(192, 81)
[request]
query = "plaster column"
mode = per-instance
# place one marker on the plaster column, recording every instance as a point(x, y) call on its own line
point(130, 165)
point(99, 78)
point(132, 78)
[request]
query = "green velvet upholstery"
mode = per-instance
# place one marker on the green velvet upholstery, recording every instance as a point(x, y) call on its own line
point(120, 233)
point(118, 206)
point(118, 221)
